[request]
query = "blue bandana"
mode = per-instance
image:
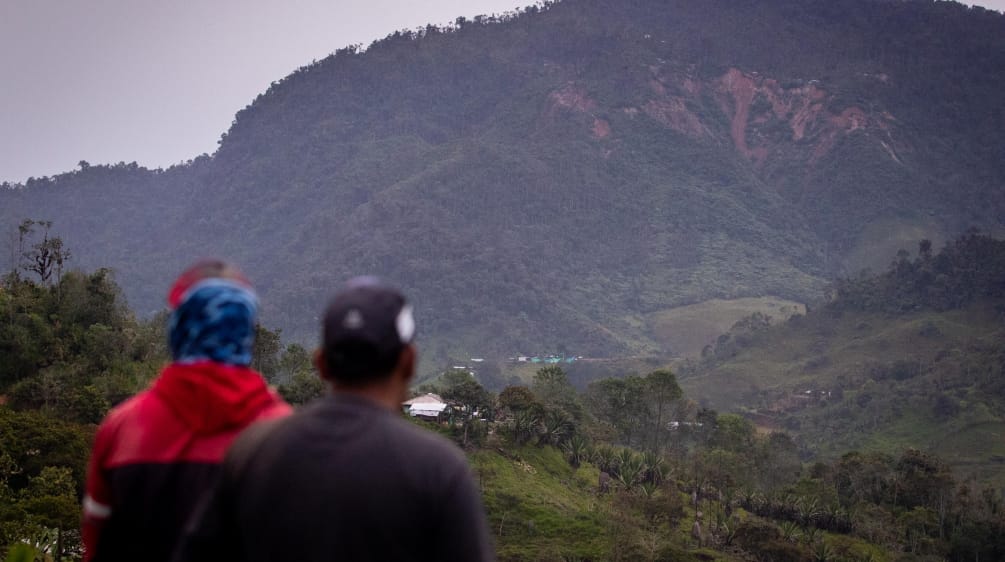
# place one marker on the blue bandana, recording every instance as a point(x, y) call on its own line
point(214, 322)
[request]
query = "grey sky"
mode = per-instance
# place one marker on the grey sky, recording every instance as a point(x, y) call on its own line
point(158, 81)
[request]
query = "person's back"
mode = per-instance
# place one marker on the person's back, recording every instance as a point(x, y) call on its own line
point(347, 478)
point(157, 454)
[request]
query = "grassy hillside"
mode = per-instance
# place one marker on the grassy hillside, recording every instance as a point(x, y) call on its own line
point(540, 508)
point(922, 373)
point(686, 330)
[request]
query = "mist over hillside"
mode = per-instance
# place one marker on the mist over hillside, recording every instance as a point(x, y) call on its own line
point(552, 181)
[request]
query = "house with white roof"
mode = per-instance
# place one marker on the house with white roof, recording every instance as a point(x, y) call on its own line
point(428, 406)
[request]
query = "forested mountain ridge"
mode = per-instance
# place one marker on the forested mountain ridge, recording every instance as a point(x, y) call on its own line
point(548, 181)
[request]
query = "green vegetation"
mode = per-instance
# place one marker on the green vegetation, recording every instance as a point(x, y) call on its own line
point(569, 178)
point(540, 507)
point(561, 176)
point(71, 349)
point(688, 329)
point(910, 358)
point(712, 487)
point(630, 468)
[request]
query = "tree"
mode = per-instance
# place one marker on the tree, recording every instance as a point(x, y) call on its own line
point(469, 395)
point(733, 433)
point(556, 427)
point(59, 340)
point(518, 399)
point(451, 378)
point(778, 461)
point(863, 477)
point(620, 403)
point(34, 441)
point(42, 465)
point(50, 503)
point(524, 426)
point(293, 361)
point(469, 398)
point(661, 393)
point(302, 388)
point(265, 352)
point(552, 387)
point(921, 480)
point(44, 257)
point(577, 450)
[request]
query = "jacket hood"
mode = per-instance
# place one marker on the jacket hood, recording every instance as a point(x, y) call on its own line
point(211, 397)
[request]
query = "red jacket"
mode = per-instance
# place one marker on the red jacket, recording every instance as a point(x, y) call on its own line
point(156, 455)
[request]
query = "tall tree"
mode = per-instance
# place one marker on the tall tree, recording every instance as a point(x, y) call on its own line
point(266, 352)
point(469, 397)
point(662, 395)
point(46, 256)
point(552, 387)
point(619, 402)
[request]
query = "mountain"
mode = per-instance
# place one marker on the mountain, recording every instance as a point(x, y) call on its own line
point(553, 180)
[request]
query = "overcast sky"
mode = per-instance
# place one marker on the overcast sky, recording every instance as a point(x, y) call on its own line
point(158, 81)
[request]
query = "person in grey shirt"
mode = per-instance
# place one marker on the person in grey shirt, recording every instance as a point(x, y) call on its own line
point(346, 478)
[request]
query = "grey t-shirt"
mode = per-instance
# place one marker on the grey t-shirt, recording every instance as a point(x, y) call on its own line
point(343, 479)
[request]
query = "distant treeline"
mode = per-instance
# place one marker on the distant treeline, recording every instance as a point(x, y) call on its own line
point(967, 269)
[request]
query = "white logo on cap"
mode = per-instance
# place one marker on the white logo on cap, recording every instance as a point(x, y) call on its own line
point(353, 320)
point(405, 324)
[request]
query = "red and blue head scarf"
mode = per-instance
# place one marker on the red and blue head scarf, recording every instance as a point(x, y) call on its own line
point(213, 316)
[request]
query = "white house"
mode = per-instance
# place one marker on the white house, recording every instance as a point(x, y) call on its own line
point(428, 406)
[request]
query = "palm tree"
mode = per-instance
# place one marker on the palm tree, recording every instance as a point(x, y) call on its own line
point(556, 428)
point(577, 450)
point(655, 467)
point(524, 426)
point(631, 470)
point(747, 496)
point(823, 553)
point(648, 489)
point(625, 455)
point(807, 511)
point(811, 534)
point(605, 457)
point(785, 507)
point(790, 531)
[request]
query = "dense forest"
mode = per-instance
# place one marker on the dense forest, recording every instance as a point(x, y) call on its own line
point(556, 177)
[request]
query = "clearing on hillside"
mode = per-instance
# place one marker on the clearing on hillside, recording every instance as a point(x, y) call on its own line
point(686, 330)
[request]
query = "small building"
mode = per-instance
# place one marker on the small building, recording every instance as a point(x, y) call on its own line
point(430, 407)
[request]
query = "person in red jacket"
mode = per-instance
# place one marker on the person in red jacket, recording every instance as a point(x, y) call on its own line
point(158, 453)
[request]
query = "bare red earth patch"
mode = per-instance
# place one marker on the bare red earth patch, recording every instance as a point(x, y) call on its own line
point(601, 128)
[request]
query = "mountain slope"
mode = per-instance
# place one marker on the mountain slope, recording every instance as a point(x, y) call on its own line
point(549, 180)
point(910, 358)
